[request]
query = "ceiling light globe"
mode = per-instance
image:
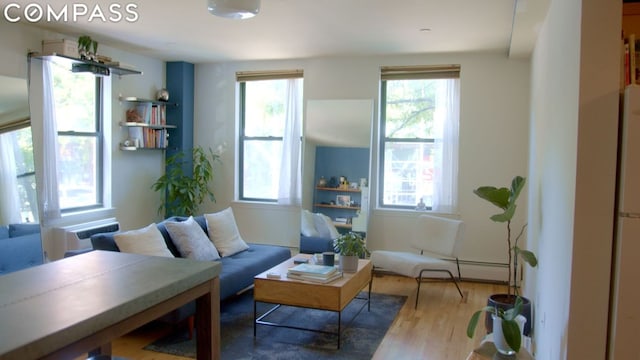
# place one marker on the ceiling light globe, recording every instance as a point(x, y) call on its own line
point(234, 9)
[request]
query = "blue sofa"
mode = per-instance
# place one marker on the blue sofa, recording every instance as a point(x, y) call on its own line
point(20, 247)
point(238, 270)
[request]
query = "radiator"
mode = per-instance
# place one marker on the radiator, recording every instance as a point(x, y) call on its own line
point(78, 236)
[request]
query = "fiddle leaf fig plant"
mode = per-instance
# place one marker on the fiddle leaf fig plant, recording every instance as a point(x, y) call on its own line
point(183, 192)
point(505, 199)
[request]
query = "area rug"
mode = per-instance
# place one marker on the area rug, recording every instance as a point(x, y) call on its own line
point(362, 331)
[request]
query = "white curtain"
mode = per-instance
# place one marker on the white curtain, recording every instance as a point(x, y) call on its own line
point(447, 115)
point(10, 201)
point(289, 188)
point(45, 138)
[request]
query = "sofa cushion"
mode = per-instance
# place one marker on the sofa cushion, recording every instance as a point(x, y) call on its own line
point(4, 231)
point(224, 232)
point(239, 269)
point(16, 230)
point(145, 241)
point(191, 240)
point(20, 253)
point(307, 225)
point(325, 226)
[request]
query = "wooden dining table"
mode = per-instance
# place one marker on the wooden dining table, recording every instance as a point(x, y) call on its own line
point(79, 304)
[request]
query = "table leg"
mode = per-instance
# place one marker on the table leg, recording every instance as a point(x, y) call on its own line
point(208, 323)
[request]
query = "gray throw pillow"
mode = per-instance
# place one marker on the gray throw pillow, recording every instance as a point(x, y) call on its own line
point(191, 240)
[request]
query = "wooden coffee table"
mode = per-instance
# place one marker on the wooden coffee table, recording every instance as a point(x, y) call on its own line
point(333, 296)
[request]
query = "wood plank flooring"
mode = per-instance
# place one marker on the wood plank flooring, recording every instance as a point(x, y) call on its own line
point(436, 330)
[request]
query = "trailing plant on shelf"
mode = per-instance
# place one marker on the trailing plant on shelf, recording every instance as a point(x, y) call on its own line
point(184, 190)
point(505, 199)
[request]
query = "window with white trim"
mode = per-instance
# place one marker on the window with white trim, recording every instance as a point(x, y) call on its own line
point(420, 110)
point(78, 108)
point(270, 136)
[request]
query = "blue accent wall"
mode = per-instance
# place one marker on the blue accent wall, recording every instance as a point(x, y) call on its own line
point(180, 84)
point(342, 161)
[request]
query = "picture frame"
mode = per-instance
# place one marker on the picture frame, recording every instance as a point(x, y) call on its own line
point(343, 200)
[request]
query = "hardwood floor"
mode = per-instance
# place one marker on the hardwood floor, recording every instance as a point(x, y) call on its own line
point(436, 330)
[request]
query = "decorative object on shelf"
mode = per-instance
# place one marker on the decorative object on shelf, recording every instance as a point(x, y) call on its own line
point(322, 182)
point(510, 304)
point(421, 206)
point(182, 191)
point(354, 186)
point(343, 200)
point(162, 95)
point(363, 182)
point(351, 247)
point(333, 182)
point(234, 9)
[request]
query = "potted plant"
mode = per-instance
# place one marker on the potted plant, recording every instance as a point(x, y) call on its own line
point(351, 247)
point(185, 186)
point(506, 307)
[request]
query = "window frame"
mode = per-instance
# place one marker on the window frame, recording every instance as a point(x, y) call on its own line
point(391, 73)
point(99, 137)
point(242, 78)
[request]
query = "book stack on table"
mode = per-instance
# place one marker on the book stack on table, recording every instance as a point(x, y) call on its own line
point(314, 273)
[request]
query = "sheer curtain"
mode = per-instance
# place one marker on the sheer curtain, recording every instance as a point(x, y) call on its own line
point(447, 115)
point(45, 142)
point(10, 202)
point(289, 188)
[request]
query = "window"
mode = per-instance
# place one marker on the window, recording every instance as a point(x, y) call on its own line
point(17, 175)
point(78, 108)
point(419, 137)
point(270, 133)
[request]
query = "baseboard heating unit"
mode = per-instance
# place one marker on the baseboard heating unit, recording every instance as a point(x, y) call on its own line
point(78, 236)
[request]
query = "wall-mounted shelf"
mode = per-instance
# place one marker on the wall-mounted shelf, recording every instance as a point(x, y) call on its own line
point(71, 62)
point(337, 206)
point(137, 124)
point(147, 101)
point(342, 189)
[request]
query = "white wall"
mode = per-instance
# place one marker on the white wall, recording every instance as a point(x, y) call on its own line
point(494, 137)
point(133, 203)
point(572, 175)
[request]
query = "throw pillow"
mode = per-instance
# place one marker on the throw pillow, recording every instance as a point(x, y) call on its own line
point(307, 225)
point(191, 241)
point(224, 233)
point(321, 226)
point(145, 241)
point(333, 232)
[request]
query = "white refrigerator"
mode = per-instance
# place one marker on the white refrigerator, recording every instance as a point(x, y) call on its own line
point(625, 305)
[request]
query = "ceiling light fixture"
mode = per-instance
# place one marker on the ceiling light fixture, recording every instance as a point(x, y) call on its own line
point(234, 9)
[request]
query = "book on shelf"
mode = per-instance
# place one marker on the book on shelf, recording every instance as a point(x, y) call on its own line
point(315, 279)
point(315, 270)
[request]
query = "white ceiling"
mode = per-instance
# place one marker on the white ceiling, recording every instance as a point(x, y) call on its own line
point(286, 29)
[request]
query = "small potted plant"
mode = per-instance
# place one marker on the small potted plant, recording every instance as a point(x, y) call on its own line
point(351, 247)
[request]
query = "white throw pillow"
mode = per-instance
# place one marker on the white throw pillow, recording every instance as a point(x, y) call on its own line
point(307, 225)
point(325, 226)
point(321, 226)
point(224, 233)
point(145, 241)
point(333, 232)
point(191, 240)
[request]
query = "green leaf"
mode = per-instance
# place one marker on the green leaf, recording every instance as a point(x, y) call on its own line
point(526, 255)
point(498, 197)
point(473, 322)
point(511, 332)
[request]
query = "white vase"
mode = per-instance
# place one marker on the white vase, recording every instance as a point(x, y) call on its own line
point(498, 336)
point(349, 263)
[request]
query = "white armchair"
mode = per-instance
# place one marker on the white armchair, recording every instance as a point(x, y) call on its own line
point(438, 240)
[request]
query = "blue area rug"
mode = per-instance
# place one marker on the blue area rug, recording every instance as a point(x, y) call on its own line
point(362, 331)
